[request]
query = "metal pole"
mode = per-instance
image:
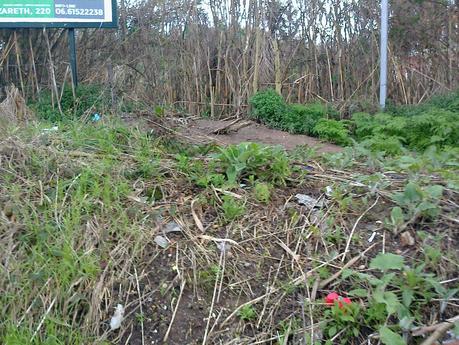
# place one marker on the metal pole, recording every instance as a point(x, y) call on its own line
point(383, 70)
point(73, 56)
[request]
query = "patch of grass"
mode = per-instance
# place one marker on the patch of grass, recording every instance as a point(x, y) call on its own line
point(80, 208)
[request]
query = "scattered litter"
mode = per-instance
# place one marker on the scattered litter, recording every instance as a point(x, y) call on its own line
point(96, 117)
point(140, 200)
point(307, 168)
point(328, 191)
point(372, 237)
point(162, 242)
point(172, 227)
point(308, 201)
point(224, 247)
point(407, 239)
point(52, 129)
point(117, 318)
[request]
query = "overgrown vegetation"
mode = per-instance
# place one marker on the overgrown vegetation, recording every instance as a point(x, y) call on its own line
point(88, 99)
point(82, 207)
point(415, 128)
point(271, 109)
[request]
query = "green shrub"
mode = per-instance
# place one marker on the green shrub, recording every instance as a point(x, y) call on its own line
point(88, 97)
point(269, 107)
point(303, 118)
point(333, 131)
point(435, 127)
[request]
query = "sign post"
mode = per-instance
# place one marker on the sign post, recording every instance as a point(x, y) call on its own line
point(73, 56)
point(68, 14)
point(383, 53)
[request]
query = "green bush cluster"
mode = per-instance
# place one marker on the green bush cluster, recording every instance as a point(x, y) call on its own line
point(435, 123)
point(90, 97)
point(270, 108)
point(389, 132)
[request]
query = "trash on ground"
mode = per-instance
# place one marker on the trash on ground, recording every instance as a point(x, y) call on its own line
point(372, 237)
point(224, 247)
point(117, 318)
point(172, 227)
point(407, 239)
point(162, 242)
point(96, 117)
point(52, 129)
point(309, 202)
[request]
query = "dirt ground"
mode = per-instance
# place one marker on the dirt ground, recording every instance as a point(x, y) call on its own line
point(203, 129)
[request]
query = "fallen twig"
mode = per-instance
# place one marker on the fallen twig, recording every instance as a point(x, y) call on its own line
point(442, 326)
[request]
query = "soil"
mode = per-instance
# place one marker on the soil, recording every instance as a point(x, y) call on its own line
point(203, 130)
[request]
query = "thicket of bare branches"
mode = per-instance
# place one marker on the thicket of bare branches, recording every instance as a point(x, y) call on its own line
point(211, 56)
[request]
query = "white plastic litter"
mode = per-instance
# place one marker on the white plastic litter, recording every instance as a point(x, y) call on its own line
point(52, 129)
point(372, 237)
point(308, 201)
point(117, 318)
point(224, 247)
point(162, 242)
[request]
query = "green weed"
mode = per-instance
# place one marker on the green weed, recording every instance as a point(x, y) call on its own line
point(333, 131)
point(247, 313)
point(232, 208)
point(265, 163)
point(262, 192)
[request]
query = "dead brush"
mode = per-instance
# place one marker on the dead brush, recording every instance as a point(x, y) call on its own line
point(13, 109)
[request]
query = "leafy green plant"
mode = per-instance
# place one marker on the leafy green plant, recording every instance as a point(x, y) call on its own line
point(262, 192)
point(333, 131)
point(269, 107)
point(232, 208)
point(302, 118)
point(417, 128)
point(345, 320)
point(394, 291)
point(390, 145)
point(419, 201)
point(247, 313)
point(265, 163)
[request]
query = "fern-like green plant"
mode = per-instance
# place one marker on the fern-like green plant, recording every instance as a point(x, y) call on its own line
point(333, 131)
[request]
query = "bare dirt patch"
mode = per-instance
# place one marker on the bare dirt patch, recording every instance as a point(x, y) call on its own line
point(205, 130)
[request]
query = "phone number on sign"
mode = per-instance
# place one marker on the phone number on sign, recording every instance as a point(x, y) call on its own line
point(79, 12)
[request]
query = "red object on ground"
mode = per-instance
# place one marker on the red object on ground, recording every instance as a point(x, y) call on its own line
point(333, 296)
